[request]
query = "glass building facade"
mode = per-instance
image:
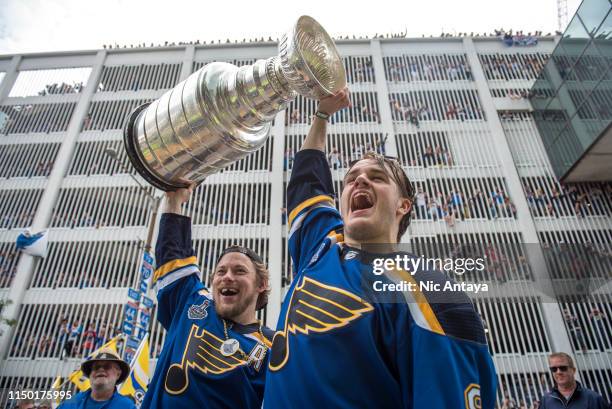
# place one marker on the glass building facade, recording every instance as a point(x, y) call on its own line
point(572, 96)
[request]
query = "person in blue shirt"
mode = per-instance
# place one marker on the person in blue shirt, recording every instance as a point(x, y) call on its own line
point(342, 343)
point(105, 371)
point(216, 351)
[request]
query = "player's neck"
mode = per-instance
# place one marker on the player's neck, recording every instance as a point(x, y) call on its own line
point(246, 318)
point(362, 244)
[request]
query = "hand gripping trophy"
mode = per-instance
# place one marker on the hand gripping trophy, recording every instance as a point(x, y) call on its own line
point(221, 113)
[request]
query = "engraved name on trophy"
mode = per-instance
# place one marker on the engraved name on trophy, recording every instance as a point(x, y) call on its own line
point(221, 113)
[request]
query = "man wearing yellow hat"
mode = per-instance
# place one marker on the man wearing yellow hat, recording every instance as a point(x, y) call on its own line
point(105, 371)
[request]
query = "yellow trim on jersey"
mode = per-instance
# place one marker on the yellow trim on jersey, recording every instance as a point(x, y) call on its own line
point(472, 402)
point(265, 340)
point(170, 266)
point(339, 237)
point(422, 302)
point(308, 202)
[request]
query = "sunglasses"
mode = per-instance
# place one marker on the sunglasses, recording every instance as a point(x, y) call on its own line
point(561, 368)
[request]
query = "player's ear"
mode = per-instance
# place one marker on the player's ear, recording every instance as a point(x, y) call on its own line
point(263, 286)
point(404, 206)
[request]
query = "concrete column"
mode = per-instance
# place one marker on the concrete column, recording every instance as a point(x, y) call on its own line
point(187, 62)
point(382, 91)
point(25, 266)
point(275, 250)
point(10, 77)
point(550, 308)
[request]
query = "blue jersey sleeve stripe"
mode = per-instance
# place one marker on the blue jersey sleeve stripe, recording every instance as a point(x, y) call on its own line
point(173, 265)
point(176, 275)
point(308, 203)
point(297, 223)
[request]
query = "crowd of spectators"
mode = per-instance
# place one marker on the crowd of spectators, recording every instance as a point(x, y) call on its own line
point(589, 332)
point(85, 220)
point(527, 392)
point(577, 261)
point(434, 156)
point(363, 71)
point(520, 37)
point(36, 117)
point(556, 200)
point(413, 115)
point(69, 339)
point(363, 109)
point(427, 68)
point(8, 266)
point(63, 88)
point(511, 66)
point(23, 219)
point(456, 205)
point(416, 106)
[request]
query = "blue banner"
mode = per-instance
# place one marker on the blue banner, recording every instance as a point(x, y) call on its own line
point(147, 257)
point(143, 286)
point(128, 327)
point(130, 312)
point(144, 319)
point(146, 271)
point(132, 342)
point(148, 302)
point(134, 294)
point(140, 333)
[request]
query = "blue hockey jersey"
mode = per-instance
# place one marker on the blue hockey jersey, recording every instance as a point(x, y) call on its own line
point(191, 371)
point(340, 345)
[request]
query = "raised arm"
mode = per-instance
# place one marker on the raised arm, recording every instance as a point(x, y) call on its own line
point(177, 274)
point(310, 192)
point(318, 130)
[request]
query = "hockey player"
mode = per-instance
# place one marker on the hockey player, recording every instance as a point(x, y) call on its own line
point(216, 352)
point(339, 344)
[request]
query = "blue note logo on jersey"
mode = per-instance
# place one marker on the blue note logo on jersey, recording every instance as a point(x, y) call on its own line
point(315, 307)
point(203, 352)
point(472, 397)
point(198, 312)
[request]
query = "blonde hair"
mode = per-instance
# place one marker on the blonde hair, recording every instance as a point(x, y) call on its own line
point(570, 361)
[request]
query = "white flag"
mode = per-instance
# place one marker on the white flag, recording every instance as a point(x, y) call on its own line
point(33, 244)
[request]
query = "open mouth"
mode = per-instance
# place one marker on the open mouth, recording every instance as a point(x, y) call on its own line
point(360, 203)
point(228, 293)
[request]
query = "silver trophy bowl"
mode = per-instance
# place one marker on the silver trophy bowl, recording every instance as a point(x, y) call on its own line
point(221, 113)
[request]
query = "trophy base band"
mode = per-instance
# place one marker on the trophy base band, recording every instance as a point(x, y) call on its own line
point(133, 153)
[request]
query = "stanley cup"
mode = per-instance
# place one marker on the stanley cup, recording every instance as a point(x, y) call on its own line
point(221, 113)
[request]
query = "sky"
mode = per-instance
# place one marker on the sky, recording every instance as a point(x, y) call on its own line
point(28, 26)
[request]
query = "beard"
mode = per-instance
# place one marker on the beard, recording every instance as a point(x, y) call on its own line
point(232, 311)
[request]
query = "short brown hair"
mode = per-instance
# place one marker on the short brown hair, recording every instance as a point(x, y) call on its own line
point(569, 359)
point(401, 180)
